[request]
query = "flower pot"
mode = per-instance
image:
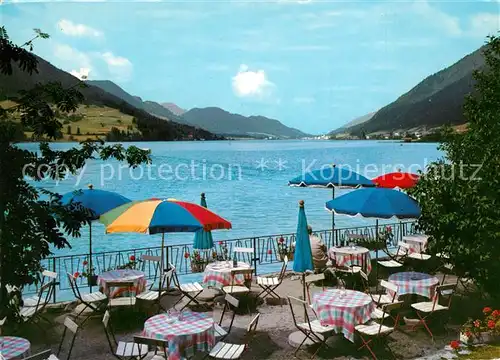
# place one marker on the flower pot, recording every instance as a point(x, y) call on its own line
point(198, 267)
point(479, 338)
point(92, 280)
point(289, 255)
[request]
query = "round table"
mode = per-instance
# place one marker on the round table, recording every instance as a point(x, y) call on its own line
point(414, 283)
point(350, 256)
point(138, 277)
point(195, 332)
point(218, 274)
point(417, 243)
point(343, 310)
point(12, 347)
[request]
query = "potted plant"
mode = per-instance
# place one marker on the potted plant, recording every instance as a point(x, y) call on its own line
point(484, 330)
point(284, 250)
point(222, 253)
point(132, 263)
point(88, 273)
point(198, 263)
point(380, 242)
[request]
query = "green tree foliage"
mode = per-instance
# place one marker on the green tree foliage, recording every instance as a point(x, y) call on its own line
point(32, 220)
point(78, 132)
point(460, 194)
point(68, 131)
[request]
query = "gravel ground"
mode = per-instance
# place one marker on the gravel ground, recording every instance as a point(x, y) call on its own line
point(270, 342)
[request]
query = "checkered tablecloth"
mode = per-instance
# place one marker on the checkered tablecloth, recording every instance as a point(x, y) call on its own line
point(414, 283)
point(343, 309)
point(138, 277)
point(218, 274)
point(194, 333)
point(12, 347)
point(348, 256)
point(417, 243)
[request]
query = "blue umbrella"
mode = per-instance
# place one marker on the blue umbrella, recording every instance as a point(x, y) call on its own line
point(329, 177)
point(302, 260)
point(203, 239)
point(97, 202)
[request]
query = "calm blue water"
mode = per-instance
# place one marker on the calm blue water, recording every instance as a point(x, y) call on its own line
point(256, 200)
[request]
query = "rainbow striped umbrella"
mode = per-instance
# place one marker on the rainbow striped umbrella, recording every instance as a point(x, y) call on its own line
point(156, 216)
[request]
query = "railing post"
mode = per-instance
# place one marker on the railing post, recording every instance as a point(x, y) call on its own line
point(255, 252)
point(54, 270)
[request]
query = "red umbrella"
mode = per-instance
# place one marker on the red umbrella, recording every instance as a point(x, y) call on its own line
point(402, 180)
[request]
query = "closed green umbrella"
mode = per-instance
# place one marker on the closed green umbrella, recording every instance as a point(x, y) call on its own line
point(203, 239)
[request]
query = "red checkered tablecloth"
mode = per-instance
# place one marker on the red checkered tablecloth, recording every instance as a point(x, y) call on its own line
point(194, 333)
point(414, 283)
point(351, 256)
point(218, 274)
point(12, 347)
point(343, 309)
point(417, 243)
point(138, 277)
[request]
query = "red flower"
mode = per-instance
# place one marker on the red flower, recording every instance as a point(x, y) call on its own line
point(388, 228)
point(477, 323)
point(455, 344)
point(491, 324)
point(132, 258)
point(198, 257)
point(269, 251)
point(85, 262)
point(186, 255)
point(495, 313)
point(468, 334)
point(486, 310)
point(281, 240)
point(77, 274)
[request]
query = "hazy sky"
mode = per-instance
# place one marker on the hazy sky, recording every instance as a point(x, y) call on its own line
point(311, 64)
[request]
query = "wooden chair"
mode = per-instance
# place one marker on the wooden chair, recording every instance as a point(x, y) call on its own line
point(234, 288)
point(93, 302)
point(245, 252)
point(154, 296)
point(47, 354)
point(231, 304)
point(124, 300)
point(155, 344)
point(427, 308)
point(311, 329)
point(419, 255)
point(34, 313)
point(270, 284)
point(396, 259)
point(309, 280)
point(155, 262)
point(46, 276)
point(373, 330)
point(189, 290)
point(122, 350)
point(223, 350)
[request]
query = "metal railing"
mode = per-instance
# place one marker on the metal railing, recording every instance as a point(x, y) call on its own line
point(266, 252)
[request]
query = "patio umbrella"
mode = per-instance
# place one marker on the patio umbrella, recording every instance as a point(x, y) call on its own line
point(203, 239)
point(97, 202)
point(330, 177)
point(398, 179)
point(302, 259)
point(155, 216)
point(375, 203)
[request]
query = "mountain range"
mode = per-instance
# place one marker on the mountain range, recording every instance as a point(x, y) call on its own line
point(435, 101)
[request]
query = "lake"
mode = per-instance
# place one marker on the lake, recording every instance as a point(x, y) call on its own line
point(244, 181)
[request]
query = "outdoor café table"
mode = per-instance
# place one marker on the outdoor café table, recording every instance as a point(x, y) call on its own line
point(218, 274)
point(138, 277)
point(414, 283)
point(343, 309)
point(417, 243)
point(350, 256)
point(12, 347)
point(193, 333)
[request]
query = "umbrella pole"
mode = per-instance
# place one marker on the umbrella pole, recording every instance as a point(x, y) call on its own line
point(376, 250)
point(90, 257)
point(334, 238)
point(304, 291)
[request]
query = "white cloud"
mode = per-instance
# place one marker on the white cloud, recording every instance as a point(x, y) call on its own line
point(72, 29)
point(304, 99)
point(435, 17)
point(248, 83)
point(72, 58)
point(83, 74)
point(484, 24)
point(119, 67)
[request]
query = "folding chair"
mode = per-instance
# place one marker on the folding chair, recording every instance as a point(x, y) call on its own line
point(154, 296)
point(311, 329)
point(419, 255)
point(155, 262)
point(189, 290)
point(220, 332)
point(122, 350)
point(427, 308)
point(234, 288)
point(373, 330)
point(248, 251)
point(156, 344)
point(93, 301)
point(396, 259)
point(47, 354)
point(309, 280)
point(33, 301)
point(124, 300)
point(270, 284)
point(34, 313)
point(223, 350)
